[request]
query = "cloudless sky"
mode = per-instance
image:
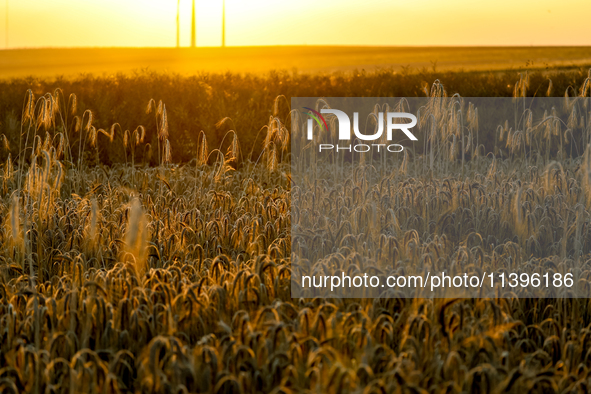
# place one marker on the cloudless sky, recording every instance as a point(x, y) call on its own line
point(75, 23)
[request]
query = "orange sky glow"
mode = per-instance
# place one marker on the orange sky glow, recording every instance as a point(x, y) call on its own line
point(152, 23)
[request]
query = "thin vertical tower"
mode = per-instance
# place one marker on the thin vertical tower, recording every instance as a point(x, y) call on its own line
point(6, 38)
point(178, 24)
point(223, 23)
point(193, 34)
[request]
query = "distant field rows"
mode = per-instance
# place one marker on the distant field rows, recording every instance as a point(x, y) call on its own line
point(51, 62)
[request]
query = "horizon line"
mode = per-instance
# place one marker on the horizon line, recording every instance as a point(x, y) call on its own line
point(294, 46)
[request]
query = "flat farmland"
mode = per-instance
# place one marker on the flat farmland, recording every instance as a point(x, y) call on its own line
point(52, 62)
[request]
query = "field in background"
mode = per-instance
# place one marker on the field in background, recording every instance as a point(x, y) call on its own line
point(198, 103)
point(73, 61)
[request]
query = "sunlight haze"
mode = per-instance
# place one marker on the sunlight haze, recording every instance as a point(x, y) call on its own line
point(152, 23)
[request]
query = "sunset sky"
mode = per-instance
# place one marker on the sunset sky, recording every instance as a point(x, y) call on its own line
point(152, 23)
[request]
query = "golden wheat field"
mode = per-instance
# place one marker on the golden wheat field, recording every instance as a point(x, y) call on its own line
point(53, 62)
point(158, 275)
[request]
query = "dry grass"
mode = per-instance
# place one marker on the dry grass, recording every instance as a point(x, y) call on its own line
point(176, 278)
